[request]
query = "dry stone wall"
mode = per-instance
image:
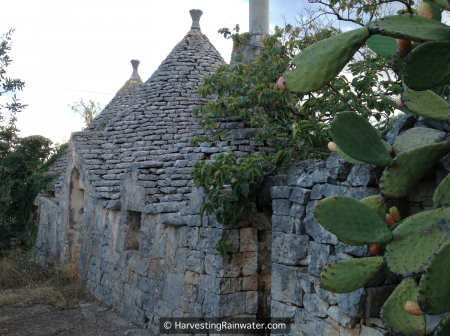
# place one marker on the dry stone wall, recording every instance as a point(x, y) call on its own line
point(301, 247)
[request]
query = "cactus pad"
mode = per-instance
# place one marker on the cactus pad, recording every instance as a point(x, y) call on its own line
point(417, 137)
point(347, 158)
point(444, 327)
point(394, 315)
point(411, 27)
point(426, 104)
point(377, 204)
point(352, 220)
point(318, 64)
point(356, 137)
point(434, 287)
point(418, 71)
point(416, 240)
point(381, 45)
point(441, 197)
point(346, 276)
point(409, 167)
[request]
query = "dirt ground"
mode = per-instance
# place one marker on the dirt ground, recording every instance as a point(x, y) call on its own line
point(83, 319)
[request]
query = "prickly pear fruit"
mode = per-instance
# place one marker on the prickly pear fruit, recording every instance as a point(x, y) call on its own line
point(375, 249)
point(425, 10)
point(332, 147)
point(413, 308)
point(395, 214)
point(389, 220)
point(405, 45)
point(399, 102)
point(281, 84)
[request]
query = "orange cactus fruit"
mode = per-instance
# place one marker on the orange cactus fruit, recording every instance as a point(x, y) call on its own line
point(405, 45)
point(413, 308)
point(280, 83)
point(375, 249)
point(389, 220)
point(425, 10)
point(395, 213)
point(332, 147)
point(399, 102)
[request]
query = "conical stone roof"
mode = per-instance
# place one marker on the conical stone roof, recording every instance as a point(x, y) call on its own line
point(121, 100)
point(152, 137)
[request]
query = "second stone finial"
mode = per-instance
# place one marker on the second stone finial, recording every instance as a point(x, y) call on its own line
point(196, 15)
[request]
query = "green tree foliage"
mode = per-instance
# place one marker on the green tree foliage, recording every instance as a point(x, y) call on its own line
point(294, 126)
point(23, 160)
point(87, 110)
point(8, 84)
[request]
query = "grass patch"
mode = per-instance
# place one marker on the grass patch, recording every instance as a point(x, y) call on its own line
point(24, 281)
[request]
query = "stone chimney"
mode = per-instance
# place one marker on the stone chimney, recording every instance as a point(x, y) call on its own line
point(259, 28)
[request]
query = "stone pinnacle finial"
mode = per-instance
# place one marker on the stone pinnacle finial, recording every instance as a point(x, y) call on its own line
point(135, 74)
point(196, 15)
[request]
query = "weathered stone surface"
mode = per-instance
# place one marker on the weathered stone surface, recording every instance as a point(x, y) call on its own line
point(357, 251)
point(286, 285)
point(281, 207)
point(362, 176)
point(352, 303)
point(288, 249)
point(315, 230)
point(331, 298)
point(317, 257)
point(281, 192)
point(405, 123)
point(300, 195)
point(282, 223)
point(327, 190)
point(343, 319)
point(315, 305)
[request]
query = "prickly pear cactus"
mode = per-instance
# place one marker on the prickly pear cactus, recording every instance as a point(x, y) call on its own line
point(416, 248)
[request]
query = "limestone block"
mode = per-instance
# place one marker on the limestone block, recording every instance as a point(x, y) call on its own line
point(338, 167)
point(362, 176)
point(357, 251)
point(196, 262)
point(300, 195)
point(191, 278)
point(330, 297)
point(288, 248)
point(281, 192)
point(282, 223)
point(343, 319)
point(250, 283)
point(248, 238)
point(297, 210)
point(280, 309)
point(242, 264)
point(352, 303)
point(286, 285)
point(307, 286)
point(281, 207)
point(251, 302)
point(317, 257)
point(315, 305)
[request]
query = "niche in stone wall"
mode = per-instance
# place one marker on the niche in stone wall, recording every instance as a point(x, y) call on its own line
point(132, 231)
point(76, 211)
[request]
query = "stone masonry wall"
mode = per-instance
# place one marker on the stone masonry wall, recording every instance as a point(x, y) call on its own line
point(301, 247)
